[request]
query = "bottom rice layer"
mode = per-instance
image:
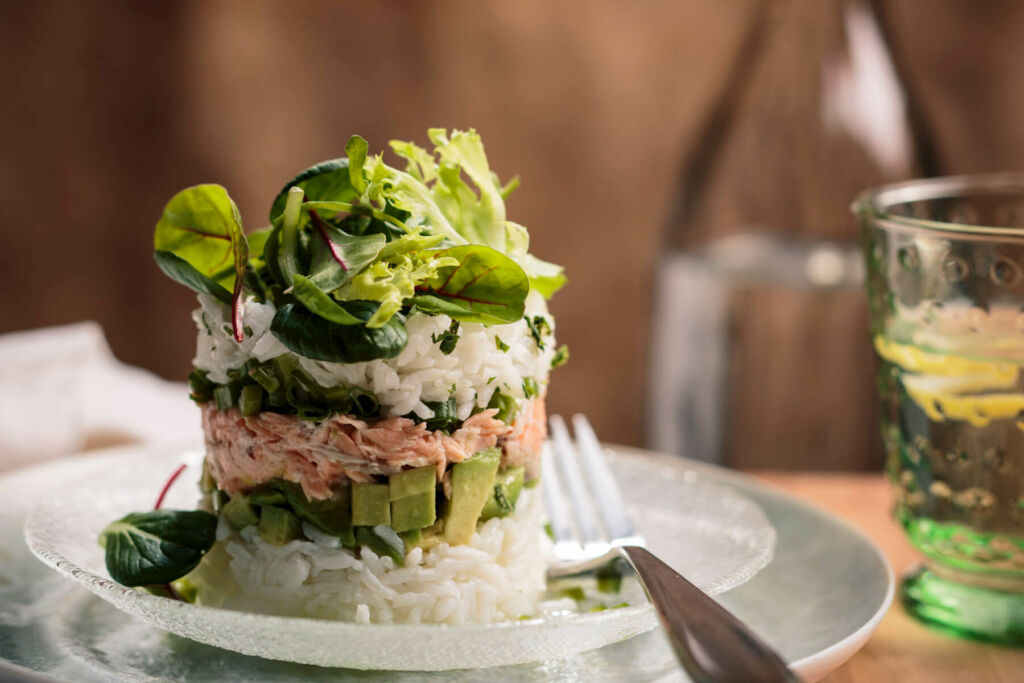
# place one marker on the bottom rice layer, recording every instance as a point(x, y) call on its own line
point(498, 576)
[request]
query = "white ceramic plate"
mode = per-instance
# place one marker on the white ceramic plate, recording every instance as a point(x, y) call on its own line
point(817, 603)
point(710, 533)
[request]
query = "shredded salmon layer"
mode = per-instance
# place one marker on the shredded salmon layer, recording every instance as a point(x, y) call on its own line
point(244, 452)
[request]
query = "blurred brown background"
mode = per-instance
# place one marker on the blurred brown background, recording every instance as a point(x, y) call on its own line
point(111, 107)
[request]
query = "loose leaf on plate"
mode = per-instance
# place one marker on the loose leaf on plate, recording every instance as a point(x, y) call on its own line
point(486, 286)
point(320, 303)
point(182, 272)
point(201, 225)
point(146, 548)
point(309, 335)
point(327, 181)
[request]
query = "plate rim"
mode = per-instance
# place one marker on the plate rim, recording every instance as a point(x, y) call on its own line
point(816, 664)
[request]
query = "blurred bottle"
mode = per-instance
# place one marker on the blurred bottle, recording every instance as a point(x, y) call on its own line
point(760, 352)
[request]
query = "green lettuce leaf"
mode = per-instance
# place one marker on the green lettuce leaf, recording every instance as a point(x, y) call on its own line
point(321, 303)
point(179, 270)
point(201, 226)
point(483, 286)
point(546, 278)
point(480, 219)
point(327, 181)
point(335, 256)
point(356, 149)
point(393, 281)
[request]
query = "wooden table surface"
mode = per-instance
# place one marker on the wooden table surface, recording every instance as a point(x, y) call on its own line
point(902, 649)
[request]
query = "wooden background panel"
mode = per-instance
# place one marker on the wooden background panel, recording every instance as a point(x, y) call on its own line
point(110, 107)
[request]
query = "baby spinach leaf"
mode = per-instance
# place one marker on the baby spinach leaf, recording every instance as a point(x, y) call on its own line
point(326, 181)
point(145, 548)
point(179, 270)
point(202, 226)
point(309, 335)
point(320, 303)
point(485, 286)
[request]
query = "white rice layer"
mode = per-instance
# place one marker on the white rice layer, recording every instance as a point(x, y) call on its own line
point(476, 368)
point(498, 576)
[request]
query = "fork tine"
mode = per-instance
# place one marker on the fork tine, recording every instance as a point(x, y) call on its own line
point(565, 456)
point(554, 502)
point(602, 482)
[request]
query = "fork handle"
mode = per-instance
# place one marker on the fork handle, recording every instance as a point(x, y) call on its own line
point(712, 645)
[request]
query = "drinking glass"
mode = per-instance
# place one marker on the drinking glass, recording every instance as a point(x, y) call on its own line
point(946, 296)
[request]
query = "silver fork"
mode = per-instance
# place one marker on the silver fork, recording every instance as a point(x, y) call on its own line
point(712, 645)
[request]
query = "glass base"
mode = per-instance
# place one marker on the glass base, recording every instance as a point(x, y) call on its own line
point(963, 610)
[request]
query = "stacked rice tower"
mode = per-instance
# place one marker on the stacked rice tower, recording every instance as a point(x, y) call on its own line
point(371, 370)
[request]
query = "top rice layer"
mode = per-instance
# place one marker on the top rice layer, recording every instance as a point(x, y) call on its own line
point(472, 372)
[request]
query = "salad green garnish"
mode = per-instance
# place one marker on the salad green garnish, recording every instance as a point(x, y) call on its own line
point(354, 245)
point(157, 547)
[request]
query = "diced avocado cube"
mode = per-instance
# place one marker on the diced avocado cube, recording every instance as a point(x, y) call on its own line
point(370, 504)
point(239, 513)
point(331, 515)
point(472, 482)
point(432, 535)
point(413, 512)
point(218, 499)
point(508, 484)
point(265, 495)
point(206, 482)
point(410, 482)
point(383, 541)
point(574, 592)
point(185, 589)
point(250, 401)
point(278, 526)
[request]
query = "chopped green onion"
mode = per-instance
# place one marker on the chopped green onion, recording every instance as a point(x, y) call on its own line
point(365, 405)
point(222, 396)
point(290, 234)
point(202, 388)
point(266, 378)
point(251, 400)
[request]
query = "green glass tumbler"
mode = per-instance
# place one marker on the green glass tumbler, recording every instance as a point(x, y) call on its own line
point(945, 285)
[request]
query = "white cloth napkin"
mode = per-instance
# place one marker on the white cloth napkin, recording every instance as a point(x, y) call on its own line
point(62, 389)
